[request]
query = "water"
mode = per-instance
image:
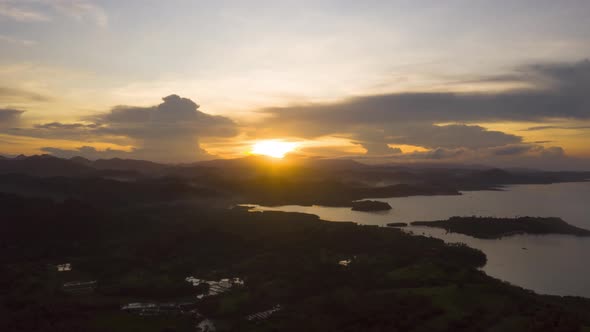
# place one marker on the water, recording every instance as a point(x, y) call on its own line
point(547, 264)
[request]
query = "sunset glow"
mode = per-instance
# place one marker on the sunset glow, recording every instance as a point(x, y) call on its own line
point(273, 148)
point(394, 82)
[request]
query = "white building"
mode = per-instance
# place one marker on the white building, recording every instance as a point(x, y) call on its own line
point(64, 267)
point(206, 326)
point(262, 315)
point(215, 287)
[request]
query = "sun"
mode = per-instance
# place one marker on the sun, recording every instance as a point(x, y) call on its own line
point(273, 148)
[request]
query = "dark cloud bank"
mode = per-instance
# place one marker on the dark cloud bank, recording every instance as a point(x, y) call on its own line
point(168, 132)
point(444, 122)
point(9, 116)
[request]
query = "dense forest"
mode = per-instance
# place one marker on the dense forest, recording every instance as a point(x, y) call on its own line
point(392, 281)
point(494, 228)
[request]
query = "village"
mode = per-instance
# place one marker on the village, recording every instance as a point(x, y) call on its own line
point(181, 308)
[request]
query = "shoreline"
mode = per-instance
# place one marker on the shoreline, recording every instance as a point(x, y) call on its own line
point(534, 243)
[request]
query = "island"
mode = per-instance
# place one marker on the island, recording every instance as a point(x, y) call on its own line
point(397, 224)
point(495, 228)
point(368, 205)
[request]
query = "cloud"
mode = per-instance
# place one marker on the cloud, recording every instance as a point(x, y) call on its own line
point(379, 148)
point(446, 124)
point(81, 10)
point(175, 116)
point(66, 126)
point(77, 131)
point(518, 155)
point(376, 138)
point(436, 154)
point(531, 149)
point(536, 128)
point(561, 93)
point(18, 41)
point(532, 156)
point(9, 117)
point(168, 132)
point(565, 78)
point(14, 94)
point(511, 150)
point(451, 136)
point(553, 151)
point(19, 13)
point(44, 10)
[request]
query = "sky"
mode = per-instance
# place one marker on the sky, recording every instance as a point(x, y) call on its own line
point(502, 83)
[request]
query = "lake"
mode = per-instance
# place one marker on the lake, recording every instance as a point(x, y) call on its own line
point(547, 264)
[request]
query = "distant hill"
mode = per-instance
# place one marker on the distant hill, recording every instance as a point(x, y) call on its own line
point(293, 169)
point(49, 166)
point(81, 161)
point(289, 161)
point(297, 169)
point(142, 166)
point(44, 166)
